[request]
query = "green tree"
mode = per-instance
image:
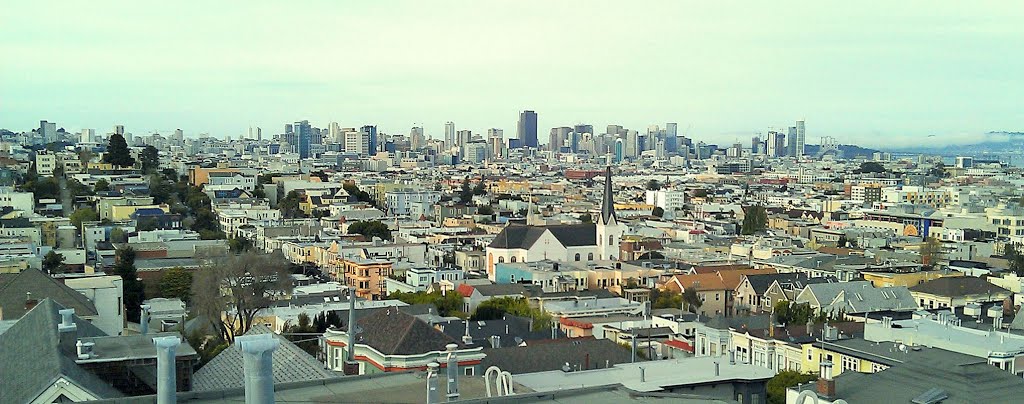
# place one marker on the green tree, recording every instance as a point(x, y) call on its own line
point(480, 188)
point(117, 235)
point(778, 384)
point(117, 152)
point(870, 167)
point(300, 334)
point(53, 262)
point(448, 304)
point(370, 229)
point(102, 185)
point(586, 218)
point(666, 299)
point(658, 211)
point(485, 210)
point(150, 158)
point(653, 185)
point(229, 291)
point(755, 220)
point(239, 244)
point(1014, 258)
point(134, 290)
point(466, 192)
point(495, 308)
point(289, 206)
point(82, 215)
point(691, 299)
point(360, 195)
point(931, 252)
point(177, 283)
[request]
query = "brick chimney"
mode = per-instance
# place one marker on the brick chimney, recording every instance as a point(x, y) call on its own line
point(30, 303)
point(826, 385)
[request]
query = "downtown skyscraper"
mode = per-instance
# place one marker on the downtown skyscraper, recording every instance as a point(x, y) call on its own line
point(304, 136)
point(526, 130)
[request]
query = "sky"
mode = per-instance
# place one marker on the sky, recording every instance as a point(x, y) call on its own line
point(875, 73)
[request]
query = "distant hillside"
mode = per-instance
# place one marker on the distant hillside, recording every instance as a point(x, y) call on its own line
point(991, 142)
point(850, 151)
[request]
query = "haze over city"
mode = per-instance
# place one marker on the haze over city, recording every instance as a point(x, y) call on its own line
point(875, 74)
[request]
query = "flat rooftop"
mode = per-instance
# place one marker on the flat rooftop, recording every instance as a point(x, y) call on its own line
point(658, 375)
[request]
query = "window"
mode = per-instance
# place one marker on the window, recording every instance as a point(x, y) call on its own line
point(469, 371)
point(513, 259)
point(850, 363)
point(590, 256)
point(877, 367)
point(577, 256)
point(501, 260)
point(611, 240)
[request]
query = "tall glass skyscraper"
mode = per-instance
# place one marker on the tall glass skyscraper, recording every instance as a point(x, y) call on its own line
point(304, 136)
point(527, 129)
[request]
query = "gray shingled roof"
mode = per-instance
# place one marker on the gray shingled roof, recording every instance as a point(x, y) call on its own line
point(966, 383)
point(553, 354)
point(31, 359)
point(570, 235)
point(957, 286)
point(13, 288)
point(291, 364)
point(393, 332)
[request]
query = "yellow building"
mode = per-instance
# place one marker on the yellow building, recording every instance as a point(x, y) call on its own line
point(908, 279)
point(124, 212)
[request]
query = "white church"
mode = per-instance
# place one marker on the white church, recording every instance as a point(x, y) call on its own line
point(570, 242)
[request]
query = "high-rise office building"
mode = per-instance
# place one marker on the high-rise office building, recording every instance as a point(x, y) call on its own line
point(304, 136)
point(371, 138)
point(462, 137)
point(776, 144)
point(357, 142)
point(791, 141)
point(416, 138)
point(800, 138)
point(48, 130)
point(527, 129)
point(449, 135)
point(119, 129)
point(756, 146)
point(88, 136)
point(334, 133)
point(558, 138)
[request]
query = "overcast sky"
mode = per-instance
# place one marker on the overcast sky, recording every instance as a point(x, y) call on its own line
point(871, 73)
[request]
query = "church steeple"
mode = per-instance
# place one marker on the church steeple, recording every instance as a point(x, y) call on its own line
point(607, 200)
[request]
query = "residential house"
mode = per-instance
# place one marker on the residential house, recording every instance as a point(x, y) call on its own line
point(957, 292)
point(389, 340)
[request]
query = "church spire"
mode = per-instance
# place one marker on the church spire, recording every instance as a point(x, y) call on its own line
point(608, 200)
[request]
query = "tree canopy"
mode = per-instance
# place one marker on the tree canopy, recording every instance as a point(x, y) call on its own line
point(150, 158)
point(1014, 258)
point(134, 290)
point(755, 220)
point(778, 384)
point(370, 229)
point(228, 291)
point(117, 152)
point(495, 308)
point(449, 304)
point(177, 283)
point(81, 215)
point(53, 262)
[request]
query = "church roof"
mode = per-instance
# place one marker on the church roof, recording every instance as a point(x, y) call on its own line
point(570, 235)
point(607, 200)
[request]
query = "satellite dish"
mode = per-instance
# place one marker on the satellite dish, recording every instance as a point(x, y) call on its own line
point(903, 348)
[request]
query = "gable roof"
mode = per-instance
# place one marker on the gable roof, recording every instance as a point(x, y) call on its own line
point(393, 332)
point(33, 361)
point(964, 383)
point(761, 282)
point(291, 364)
point(14, 289)
point(957, 286)
point(516, 236)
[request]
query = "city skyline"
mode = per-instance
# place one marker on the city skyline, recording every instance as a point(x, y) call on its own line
point(725, 75)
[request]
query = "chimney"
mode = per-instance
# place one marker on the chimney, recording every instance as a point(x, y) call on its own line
point(68, 331)
point(433, 396)
point(144, 320)
point(30, 303)
point(826, 386)
point(166, 384)
point(453, 372)
point(85, 349)
point(351, 367)
point(258, 368)
point(467, 339)
point(495, 341)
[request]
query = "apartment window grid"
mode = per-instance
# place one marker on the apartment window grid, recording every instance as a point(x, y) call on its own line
point(850, 363)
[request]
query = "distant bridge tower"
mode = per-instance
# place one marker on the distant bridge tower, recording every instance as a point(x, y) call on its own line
point(828, 145)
